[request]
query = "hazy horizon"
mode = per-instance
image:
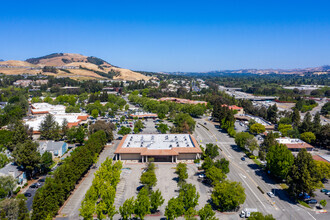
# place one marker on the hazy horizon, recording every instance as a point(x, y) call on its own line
point(171, 36)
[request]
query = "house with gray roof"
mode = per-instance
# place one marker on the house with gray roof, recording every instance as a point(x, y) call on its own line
point(57, 148)
point(15, 171)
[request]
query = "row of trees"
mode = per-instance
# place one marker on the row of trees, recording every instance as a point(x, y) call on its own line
point(303, 173)
point(100, 197)
point(56, 190)
point(226, 195)
point(165, 107)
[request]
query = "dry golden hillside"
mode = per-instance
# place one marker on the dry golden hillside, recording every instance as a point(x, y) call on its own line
point(86, 67)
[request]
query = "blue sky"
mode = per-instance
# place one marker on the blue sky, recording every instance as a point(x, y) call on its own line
point(171, 35)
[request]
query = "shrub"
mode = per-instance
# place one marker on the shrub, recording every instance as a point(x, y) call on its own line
point(17, 190)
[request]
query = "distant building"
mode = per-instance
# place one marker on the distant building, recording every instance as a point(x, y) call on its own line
point(22, 83)
point(294, 144)
point(162, 147)
point(56, 148)
point(182, 101)
point(239, 110)
point(143, 115)
point(45, 108)
point(13, 170)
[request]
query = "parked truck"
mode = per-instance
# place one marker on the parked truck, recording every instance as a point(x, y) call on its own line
point(247, 212)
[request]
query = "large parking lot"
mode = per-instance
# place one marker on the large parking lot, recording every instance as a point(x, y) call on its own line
point(166, 183)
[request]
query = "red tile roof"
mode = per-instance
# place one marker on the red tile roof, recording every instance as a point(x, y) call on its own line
point(318, 158)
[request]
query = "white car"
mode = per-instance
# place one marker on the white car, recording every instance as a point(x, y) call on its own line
point(271, 195)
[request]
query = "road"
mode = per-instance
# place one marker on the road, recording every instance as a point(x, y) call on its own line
point(249, 174)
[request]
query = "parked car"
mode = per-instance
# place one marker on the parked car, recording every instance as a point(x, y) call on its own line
point(271, 195)
point(327, 193)
point(311, 201)
point(324, 190)
point(243, 158)
point(27, 194)
point(304, 196)
point(34, 185)
point(42, 180)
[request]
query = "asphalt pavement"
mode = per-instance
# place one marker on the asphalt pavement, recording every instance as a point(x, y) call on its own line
point(251, 177)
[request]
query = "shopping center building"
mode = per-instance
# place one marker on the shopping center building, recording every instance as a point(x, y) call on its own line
point(162, 147)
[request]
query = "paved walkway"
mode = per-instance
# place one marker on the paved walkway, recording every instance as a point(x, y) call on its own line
point(70, 209)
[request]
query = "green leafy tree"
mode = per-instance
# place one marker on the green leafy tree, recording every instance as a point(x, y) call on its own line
point(317, 122)
point(306, 124)
point(228, 195)
point(181, 170)
point(222, 164)
point(303, 176)
point(323, 203)
point(323, 169)
point(49, 128)
point(127, 209)
point(257, 128)
point(308, 137)
point(149, 179)
point(283, 128)
point(215, 175)
point(174, 209)
point(260, 216)
point(124, 130)
point(212, 150)
point(188, 195)
point(279, 160)
point(87, 209)
point(296, 118)
point(95, 113)
point(207, 213)
point(27, 155)
point(46, 161)
point(156, 200)
point(142, 204)
point(269, 141)
point(7, 185)
point(102, 125)
point(207, 164)
point(184, 123)
point(163, 128)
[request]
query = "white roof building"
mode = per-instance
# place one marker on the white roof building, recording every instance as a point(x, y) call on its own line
point(45, 108)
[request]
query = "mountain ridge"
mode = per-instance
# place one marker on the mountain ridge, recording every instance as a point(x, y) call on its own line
point(70, 65)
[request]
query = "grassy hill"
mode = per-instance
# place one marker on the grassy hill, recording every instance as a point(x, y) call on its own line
point(71, 65)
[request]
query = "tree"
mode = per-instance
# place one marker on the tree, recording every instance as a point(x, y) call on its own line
point(126, 107)
point(138, 126)
point(222, 164)
point(174, 209)
point(142, 203)
point(207, 164)
point(7, 185)
point(46, 161)
point(14, 208)
point(228, 195)
point(64, 126)
point(87, 209)
point(156, 200)
point(283, 128)
point(163, 128)
point(260, 216)
point(27, 155)
point(149, 179)
point(124, 130)
point(20, 133)
point(323, 169)
point(241, 139)
point(49, 128)
point(95, 113)
point(303, 176)
point(272, 114)
point(325, 110)
point(188, 196)
point(184, 123)
point(207, 213)
point(317, 122)
point(269, 141)
point(252, 144)
point(306, 124)
point(102, 125)
point(308, 137)
point(323, 203)
point(257, 128)
point(181, 170)
point(296, 118)
point(279, 160)
point(127, 209)
point(215, 175)
point(212, 150)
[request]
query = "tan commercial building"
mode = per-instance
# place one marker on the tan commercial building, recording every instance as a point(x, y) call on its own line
point(162, 147)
